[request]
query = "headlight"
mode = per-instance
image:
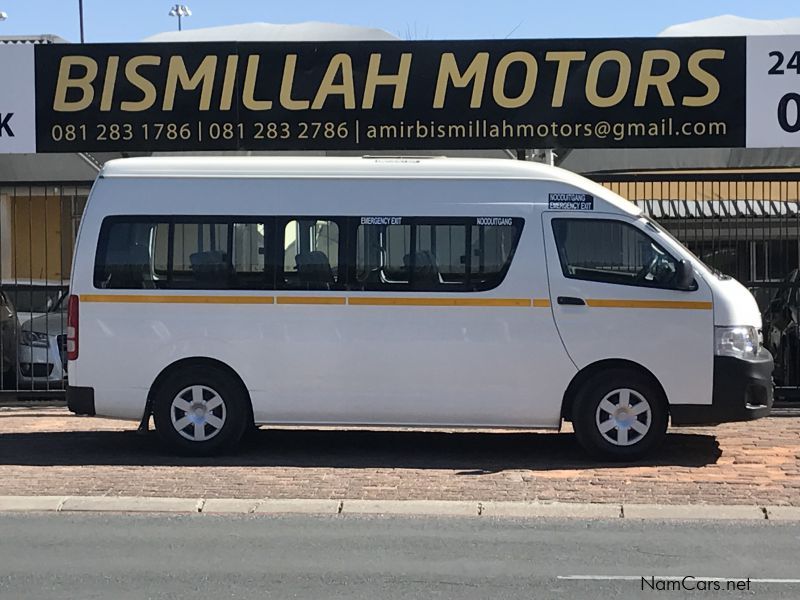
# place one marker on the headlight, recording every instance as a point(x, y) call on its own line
point(32, 338)
point(738, 342)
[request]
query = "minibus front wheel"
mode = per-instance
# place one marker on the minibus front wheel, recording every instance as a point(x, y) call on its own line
point(620, 414)
point(200, 410)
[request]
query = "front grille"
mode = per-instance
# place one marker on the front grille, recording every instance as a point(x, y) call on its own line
point(36, 369)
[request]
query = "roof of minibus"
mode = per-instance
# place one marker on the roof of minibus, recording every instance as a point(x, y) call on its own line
point(356, 168)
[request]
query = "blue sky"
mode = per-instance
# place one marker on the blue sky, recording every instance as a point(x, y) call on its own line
point(123, 20)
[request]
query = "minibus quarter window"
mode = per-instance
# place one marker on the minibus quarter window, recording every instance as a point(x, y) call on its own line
point(491, 249)
point(124, 258)
point(311, 254)
point(612, 251)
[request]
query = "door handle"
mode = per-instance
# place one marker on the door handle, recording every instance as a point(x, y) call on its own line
point(570, 301)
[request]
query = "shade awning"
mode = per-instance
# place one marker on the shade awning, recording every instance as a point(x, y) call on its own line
point(698, 209)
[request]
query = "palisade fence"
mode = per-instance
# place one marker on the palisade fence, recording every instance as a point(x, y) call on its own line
point(38, 227)
point(745, 224)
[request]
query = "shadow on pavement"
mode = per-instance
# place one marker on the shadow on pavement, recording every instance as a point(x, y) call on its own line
point(470, 453)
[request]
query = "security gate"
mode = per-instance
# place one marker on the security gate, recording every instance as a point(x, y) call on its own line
point(38, 226)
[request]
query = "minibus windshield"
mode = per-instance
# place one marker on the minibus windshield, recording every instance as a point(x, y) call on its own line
point(713, 270)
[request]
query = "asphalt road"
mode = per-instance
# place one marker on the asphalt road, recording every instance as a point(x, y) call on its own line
point(202, 556)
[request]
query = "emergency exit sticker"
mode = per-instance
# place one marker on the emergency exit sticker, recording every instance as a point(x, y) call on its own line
point(17, 99)
point(570, 201)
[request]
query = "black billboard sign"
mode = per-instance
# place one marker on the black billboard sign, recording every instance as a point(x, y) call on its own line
point(590, 93)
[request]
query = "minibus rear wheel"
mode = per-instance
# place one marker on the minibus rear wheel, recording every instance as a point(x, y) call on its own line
point(200, 410)
point(620, 415)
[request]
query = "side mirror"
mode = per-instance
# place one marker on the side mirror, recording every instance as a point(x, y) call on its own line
point(685, 276)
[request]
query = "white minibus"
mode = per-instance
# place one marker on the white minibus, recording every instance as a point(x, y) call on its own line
point(218, 294)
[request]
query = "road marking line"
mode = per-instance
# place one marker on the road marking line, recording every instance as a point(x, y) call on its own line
point(670, 578)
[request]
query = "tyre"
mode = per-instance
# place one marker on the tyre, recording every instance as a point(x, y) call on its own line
point(8, 379)
point(200, 411)
point(620, 415)
point(789, 366)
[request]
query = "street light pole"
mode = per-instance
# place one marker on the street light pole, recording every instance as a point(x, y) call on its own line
point(180, 11)
point(80, 12)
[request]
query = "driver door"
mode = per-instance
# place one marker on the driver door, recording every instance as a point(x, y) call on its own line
point(610, 290)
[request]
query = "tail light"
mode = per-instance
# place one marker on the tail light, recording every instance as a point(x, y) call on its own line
point(72, 327)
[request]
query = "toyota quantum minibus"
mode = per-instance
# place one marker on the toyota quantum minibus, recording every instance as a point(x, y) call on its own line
point(217, 294)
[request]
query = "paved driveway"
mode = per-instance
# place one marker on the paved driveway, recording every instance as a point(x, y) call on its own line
point(50, 451)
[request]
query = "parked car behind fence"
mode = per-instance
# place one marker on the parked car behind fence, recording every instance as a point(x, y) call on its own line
point(42, 350)
point(34, 297)
point(782, 331)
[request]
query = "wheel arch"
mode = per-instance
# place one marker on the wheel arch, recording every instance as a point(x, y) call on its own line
point(193, 361)
point(589, 371)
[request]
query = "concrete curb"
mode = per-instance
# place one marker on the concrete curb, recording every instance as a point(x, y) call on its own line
point(783, 513)
point(31, 503)
point(300, 506)
point(451, 508)
point(466, 508)
point(128, 504)
point(705, 512)
point(553, 510)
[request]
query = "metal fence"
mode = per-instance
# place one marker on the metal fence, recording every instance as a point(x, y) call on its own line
point(38, 226)
point(745, 224)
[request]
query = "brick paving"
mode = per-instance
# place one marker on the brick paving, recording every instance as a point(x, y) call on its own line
point(51, 452)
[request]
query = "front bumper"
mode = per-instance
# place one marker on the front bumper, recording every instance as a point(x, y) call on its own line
point(39, 366)
point(80, 400)
point(742, 392)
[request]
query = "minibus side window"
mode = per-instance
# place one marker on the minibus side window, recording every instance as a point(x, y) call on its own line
point(492, 248)
point(311, 255)
point(611, 251)
point(124, 259)
point(181, 253)
point(248, 256)
point(439, 254)
point(200, 256)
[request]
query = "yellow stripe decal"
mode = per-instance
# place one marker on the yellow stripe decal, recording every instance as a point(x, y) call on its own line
point(378, 301)
point(387, 301)
point(148, 298)
point(330, 300)
point(668, 304)
point(311, 300)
